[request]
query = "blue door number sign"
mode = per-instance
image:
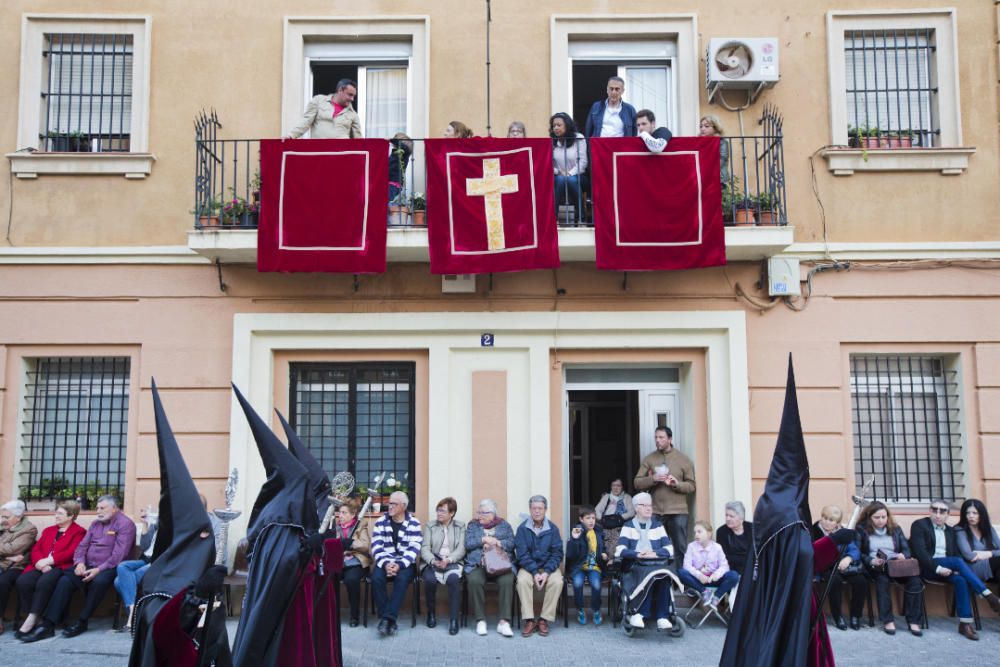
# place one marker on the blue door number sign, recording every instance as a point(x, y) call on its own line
point(486, 340)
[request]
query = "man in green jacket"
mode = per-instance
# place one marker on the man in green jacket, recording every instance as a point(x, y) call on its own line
point(668, 476)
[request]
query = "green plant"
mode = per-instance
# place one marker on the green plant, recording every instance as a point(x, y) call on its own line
point(208, 208)
point(765, 201)
point(235, 208)
point(419, 202)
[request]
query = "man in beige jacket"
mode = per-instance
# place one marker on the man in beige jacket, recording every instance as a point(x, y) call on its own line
point(330, 116)
point(668, 475)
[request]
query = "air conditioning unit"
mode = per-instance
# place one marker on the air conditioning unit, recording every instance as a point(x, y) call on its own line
point(741, 63)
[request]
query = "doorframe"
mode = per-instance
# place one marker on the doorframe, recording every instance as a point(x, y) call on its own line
point(677, 387)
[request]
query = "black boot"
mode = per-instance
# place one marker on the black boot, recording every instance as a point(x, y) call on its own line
point(432, 619)
point(453, 627)
point(839, 622)
point(855, 622)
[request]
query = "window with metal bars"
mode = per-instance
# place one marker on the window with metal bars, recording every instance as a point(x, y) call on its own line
point(356, 417)
point(75, 428)
point(891, 88)
point(906, 427)
point(87, 93)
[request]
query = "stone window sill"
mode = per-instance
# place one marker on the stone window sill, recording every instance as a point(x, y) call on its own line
point(33, 165)
point(949, 161)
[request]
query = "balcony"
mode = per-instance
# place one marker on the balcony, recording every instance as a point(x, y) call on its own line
point(227, 200)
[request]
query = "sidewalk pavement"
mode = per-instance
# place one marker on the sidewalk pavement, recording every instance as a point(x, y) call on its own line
point(941, 645)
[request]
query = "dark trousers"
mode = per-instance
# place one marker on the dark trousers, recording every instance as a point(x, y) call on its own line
point(454, 583)
point(857, 583)
point(352, 577)
point(7, 579)
point(34, 589)
point(68, 584)
point(388, 606)
point(995, 568)
point(676, 526)
point(913, 590)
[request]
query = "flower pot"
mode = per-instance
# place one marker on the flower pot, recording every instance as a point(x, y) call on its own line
point(768, 217)
point(871, 142)
point(906, 142)
point(399, 215)
point(744, 216)
point(420, 218)
point(40, 505)
point(208, 221)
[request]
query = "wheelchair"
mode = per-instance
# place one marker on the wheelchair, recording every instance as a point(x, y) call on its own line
point(620, 606)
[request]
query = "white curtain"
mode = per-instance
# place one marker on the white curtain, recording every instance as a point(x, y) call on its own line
point(385, 102)
point(646, 88)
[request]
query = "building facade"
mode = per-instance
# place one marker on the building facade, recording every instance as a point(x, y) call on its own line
point(507, 385)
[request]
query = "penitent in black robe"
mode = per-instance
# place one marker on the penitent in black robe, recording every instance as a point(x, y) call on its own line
point(184, 549)
point(770, 623)
point(283, 516)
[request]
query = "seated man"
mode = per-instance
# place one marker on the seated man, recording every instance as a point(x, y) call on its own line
point(108, 541)
point(538, 550)
point(934, 545)
point(645, 552)
point(395, 547)
point(656, 138)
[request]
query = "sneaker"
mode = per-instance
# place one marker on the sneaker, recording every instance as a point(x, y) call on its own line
point(597, 618)
point(663, 624)
point(481, 628)
point(715, 602)
point(581, 616)
point(635, 620)
point(706, 597)
point(503, 627)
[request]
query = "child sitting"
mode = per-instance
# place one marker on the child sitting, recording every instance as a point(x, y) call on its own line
point(705, 565)
point(584, 557)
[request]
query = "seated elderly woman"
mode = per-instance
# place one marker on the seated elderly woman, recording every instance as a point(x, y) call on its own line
point(357, 543)
point(442, 553)
point(734, 536)
point(50, 557)
point(490, 533)
point(645, 552)
point(17, 536)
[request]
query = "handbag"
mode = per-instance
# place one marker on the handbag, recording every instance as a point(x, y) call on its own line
point(903, 567)
point(496, 561)
point(612, 521)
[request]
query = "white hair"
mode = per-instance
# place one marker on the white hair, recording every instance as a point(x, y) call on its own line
point(15, 507)
point(642, 499)
point(489, 504)
point(405, 498)
point(737, 508)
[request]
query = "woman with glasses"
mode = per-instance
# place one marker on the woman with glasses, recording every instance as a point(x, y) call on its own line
point(356, 553)
point(489, 532)
point(516, 130)
point(443, 553)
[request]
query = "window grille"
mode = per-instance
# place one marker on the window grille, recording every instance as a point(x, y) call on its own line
point(87, 94)
point(906, 427)
point(356, 417)
point(891, 86)
point(75, 428)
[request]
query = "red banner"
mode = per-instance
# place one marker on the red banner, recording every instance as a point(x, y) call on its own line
point(657, 211)
point(323, 205)
point(490, 205)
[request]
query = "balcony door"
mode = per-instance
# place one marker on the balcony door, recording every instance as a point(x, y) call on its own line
point(382, 70)
point(645, 65)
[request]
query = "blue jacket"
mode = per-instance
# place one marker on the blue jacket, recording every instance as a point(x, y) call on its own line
point(629, 540)
point(538, 553)
point(576, 550)
point(474, 542)
point(595, 119)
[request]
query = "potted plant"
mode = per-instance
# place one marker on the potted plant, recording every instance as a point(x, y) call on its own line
point(730, 194)
point(207, 214)
point(238, 211)
point(255, 188)
point(419, 209)
point(68, 142)
point(767, 208)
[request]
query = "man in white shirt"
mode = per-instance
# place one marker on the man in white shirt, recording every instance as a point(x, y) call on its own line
point(612, 117)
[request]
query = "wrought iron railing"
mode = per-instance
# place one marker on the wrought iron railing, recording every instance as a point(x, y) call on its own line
point(227, 180)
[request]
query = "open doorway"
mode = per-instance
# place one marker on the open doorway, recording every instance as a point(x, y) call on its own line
point(590, 84)
point(603, 442)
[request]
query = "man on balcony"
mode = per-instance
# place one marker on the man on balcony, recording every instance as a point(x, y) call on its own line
point(612, 117)
point(330, 116)
point(656, 138)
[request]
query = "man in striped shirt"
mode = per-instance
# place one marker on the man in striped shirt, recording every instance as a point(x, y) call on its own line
point(395, 547)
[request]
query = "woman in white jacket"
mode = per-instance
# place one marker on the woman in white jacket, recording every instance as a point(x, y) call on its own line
point(569, 160)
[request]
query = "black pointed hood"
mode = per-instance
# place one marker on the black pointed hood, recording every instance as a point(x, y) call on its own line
point(770, 621)
point(180, 553)
point(786, 493)
point(285, 496)
point(319, 481)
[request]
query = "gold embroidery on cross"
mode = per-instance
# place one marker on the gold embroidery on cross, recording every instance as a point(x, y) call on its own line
point(491, 187)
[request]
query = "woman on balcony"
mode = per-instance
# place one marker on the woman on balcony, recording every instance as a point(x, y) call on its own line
point(711, 126)
point(457, 130)
point(569, 159)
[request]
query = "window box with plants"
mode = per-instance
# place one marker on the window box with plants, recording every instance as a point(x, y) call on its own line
point(238, 212)
point(67, 142)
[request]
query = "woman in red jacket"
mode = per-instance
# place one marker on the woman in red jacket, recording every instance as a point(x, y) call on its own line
point(51, 555)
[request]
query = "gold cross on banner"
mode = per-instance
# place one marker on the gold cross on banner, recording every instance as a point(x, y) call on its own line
point(492, 186)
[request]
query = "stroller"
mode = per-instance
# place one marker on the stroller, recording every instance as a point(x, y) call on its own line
point(626, 605)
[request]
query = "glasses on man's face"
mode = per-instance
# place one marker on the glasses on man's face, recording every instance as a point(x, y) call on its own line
point(392, 503)
point(642, 504)
point(939, 510)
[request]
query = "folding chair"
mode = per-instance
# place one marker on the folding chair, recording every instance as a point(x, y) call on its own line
point(706, 609)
